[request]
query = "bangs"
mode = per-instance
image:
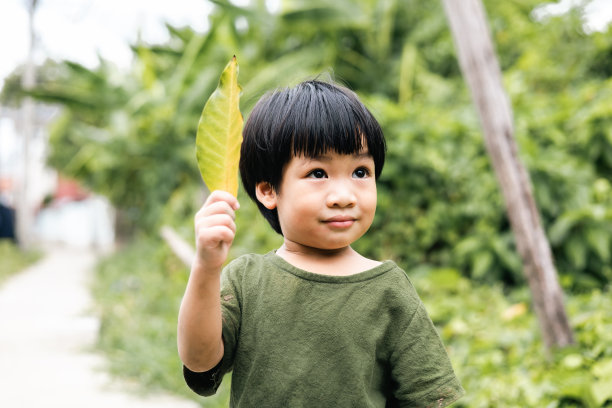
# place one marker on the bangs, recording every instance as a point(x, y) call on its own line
point(318, 118)
point(324, 125)
point(317, 144)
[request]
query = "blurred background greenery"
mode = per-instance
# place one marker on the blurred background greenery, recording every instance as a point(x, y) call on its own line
point(129, 135)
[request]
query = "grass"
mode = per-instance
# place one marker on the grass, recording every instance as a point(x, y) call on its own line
point(14, 259)
point(492, 337)
point(138, 293)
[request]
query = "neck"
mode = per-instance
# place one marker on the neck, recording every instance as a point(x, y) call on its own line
point(326, 255)
point(341, 261)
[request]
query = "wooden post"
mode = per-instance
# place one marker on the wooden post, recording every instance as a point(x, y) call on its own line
point(481, 70)
point(178, 245)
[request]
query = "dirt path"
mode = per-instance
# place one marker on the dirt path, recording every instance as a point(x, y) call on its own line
point(46, 337)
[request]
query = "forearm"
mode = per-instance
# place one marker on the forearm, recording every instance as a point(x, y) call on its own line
point(200, 343)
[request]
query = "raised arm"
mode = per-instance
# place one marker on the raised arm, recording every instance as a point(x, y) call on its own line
point(200, 344)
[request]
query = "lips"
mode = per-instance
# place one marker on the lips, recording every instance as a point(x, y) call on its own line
point(340, 221)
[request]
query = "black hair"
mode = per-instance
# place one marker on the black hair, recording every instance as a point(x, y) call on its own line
point(309, 119)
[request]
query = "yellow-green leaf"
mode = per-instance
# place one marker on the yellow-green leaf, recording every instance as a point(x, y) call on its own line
point(220, 134)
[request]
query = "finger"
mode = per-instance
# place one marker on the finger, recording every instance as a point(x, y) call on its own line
point(214, 221)
point(219, 207)
point(213, 236)
point(219, 195)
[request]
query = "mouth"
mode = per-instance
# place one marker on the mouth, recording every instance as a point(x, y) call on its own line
point(340, 221)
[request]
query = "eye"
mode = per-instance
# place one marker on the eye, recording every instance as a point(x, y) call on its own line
point(361, 172)
point(317, 173)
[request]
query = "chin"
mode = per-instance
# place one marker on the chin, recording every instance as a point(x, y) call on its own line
point(326, 245)
point(335, 245)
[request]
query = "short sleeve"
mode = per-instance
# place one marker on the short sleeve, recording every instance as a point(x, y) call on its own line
point(421, 368)
point(204, 383)
point(231, 311)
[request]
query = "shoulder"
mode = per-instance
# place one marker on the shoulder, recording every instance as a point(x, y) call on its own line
point(392, 293)
point(246, 267)
point(399, 283)
point(246, 261)
point(402, 300)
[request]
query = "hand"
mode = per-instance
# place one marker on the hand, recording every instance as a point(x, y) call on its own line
point(215, 229)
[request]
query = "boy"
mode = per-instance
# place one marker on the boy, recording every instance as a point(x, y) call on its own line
point(314, 323)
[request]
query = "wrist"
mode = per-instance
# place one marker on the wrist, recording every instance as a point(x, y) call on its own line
point(202, 270)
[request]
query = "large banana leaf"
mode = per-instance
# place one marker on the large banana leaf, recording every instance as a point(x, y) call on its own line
point(219, 134)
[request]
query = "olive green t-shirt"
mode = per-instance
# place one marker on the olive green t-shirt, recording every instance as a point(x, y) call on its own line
point(298, 339)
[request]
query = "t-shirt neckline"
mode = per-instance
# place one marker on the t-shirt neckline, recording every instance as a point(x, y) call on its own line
point(374, 272)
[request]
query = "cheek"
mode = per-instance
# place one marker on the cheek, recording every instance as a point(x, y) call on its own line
point(301, 211)
point(369, 200)
point(293, 215)
point(371, 210)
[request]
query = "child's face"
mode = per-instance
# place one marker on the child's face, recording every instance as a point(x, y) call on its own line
point(326, 202)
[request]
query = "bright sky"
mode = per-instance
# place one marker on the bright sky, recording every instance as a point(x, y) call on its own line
point(598, 12)
point(79, 29)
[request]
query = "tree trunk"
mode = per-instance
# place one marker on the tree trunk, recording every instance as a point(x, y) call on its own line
point(481, 70)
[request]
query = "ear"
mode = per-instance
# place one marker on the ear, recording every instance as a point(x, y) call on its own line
point(266, 195)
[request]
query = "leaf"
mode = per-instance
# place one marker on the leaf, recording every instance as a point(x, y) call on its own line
point(576, 252)
point(572, 361)
point(603, 369)
point(562, 226)
point(481, 264)
point(220, 134)
point(599, 240)
point(601, 391)
point(514, 311)
point(445, 278)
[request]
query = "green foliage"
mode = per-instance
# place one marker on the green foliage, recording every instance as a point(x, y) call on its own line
point(14, 259)
point(491, 336)
point(497, 352)
point(129, 135)
point(138, 293)
point(438, 199)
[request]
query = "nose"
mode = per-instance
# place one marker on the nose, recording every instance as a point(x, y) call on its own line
point(341, 195)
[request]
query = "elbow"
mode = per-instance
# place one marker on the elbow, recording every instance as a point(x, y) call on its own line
point(201, 359)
